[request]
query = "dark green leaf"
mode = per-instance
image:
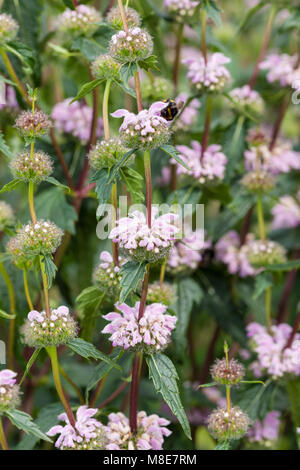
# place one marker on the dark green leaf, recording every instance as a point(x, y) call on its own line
point(127, 71)
point(132, 273)
point(149, 63)
point(50, 269)
point(115, 169)
point(284, 266)
point(213, 12)
point(88, 350)
point(24, 422)
point(172, 152)
point(87, 88)
point(30, 364)
point(88, 304)
point(102, 369)
point(134, 183)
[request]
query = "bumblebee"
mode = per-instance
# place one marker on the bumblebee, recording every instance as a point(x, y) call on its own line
point(171, 110)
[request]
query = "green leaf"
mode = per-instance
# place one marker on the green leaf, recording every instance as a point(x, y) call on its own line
point(223, 445)
point(52, 204)
point(164, 376)
point(149, 63)
point(4, 148)
point(126, 88)
point(132, 273)
point(30, 364)
point(24, 422)
point(6, 315)
point(103, 185)
point(87, 88)
point(10, 186)
point(127, 71)
point(134, 184)
point(172, 152)
point(55, 182)
point(88, 305)
point(293, 389)
point(50, 269)
point(69, 4)
point(88, 47)
point(213, 12)
point(116, 168)
point(289, 266)
point(101, 370)
point(262, 282)
point(250, 15)
point(211, 384)
point(88, 350)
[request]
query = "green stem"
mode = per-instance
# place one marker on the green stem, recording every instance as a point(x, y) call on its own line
point(105, 109)
point(269, 308)
point(162, 272)
point(26, 289)
point(52, 352)
point(70, 381)
point(228, 401)
point(13, 75)
point(3, 440)
point(203, 35)
point(114, 202)
point(12, 308)
point(260, 216)
point(31, 201)
point(45, 287)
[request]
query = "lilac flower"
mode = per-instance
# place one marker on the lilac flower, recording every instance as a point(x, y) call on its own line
point(150, 435)
point(147, 129)
point(151, 333)
point(209, 168)
point(266, 430)
point(273, 356)
point(10, 101)
point(9, 390)
point(286, 213)
point(181, 8)
point(281, 68)
point(229, 252)
point(281, 159)
point(107, 275)
point(142, 242)
point(7, 377)
point(211, 76)
point(189, 115)
point(76, 119)
point(247, 97)
point(188, 253)
point(88, 433)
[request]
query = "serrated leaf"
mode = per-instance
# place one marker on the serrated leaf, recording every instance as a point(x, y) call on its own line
point(127, 71)
point(101, 370)
point(6, 315)
point(149, 63)
point(4, 148)
point(172, 152)
point(126, 88)
point(24, 422)
point(87, 88)
point(116, 168)
point(30, 364)
point(55, 182)
point(50, 269)
point(88, 350)
point(134, 183)
point(213, 12)
point(164, 376)
point(10, 186)
point(262, 282)
point(103, 187)
point(132, 273)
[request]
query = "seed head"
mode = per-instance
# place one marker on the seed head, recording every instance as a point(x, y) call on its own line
point(8, 28)
point(136, 44)
point(40, 238)
point(227, 375)
point(115, 20)
point(161, 293)
point(35, 168)
point(107, 275)
point(105, 67)
point(224, 425)
point(7, 217)
point(106, 153)
point(32, 125)
point(258, 181)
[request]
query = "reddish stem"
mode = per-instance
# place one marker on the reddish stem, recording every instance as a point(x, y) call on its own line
point(278, 122)
point(293, 332)
point(113, 395)
point(134, 391)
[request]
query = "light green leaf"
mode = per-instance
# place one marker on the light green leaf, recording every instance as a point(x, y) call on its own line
point(10, 186)
point(262, 282)
point(213, 12)
point(24, 422)
point(211, 384)
point(6, 315)
point(55, 182)
point(116, 168)
point(50, 269)
point(289, 266)
point(4, 148)
point(87, 88)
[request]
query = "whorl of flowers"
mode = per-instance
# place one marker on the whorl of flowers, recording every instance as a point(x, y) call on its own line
point(141, 242)
point(206, 169)
point(151, 432)
point(229, 252)
point(246, 97)
point(146, 130)
point(229, 373)
point(258, 181)
point(188, 116)
point(225, 425)
point(7, 217)
point(281, 68)
point(40, 238)
point(265, 431)
point(181, 8)
point(115, 20)
point(39, 330)
point(135, 44)
point(273, 357)
point(150, 334)
point(14, 248)
point(265, 252)
point(83, 20)
point(75, 118)
point(286, 214)
point(161, 293)
point(156, 88)
point(106, 153)
point(9, 390)
point(88, 433)
point(105, 67)
point(281, 159)
point(187, 253)
point(33, 124)
point(34, 168)
point(107, 275)
point(8, 28)
point(211, 76)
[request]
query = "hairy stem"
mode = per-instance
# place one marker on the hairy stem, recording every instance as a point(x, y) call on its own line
point(3, 440)
point(148, 178)
point(138, 91)
point(31, 201)
point(12, 309)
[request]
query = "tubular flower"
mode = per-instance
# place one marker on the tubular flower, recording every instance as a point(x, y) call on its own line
point(187, 253)
point(139, 241)
point(150, 434)
point(136, 44)
point(88, 433)
point(161, 293)
point(7, 217)
point(224, 425)
point(146, 130)
point(281, 68)
point(9, 390)
point(151, 333)
point(229, 252)
point(35, 168)
point(83, 20)
point(107, 275)
point(211, 76)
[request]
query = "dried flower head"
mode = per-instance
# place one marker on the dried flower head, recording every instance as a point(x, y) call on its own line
point(161, 293)
point(227, 374)
point(258, 181)
point(150, 433)
point(115, 20)
point(107, 153)
point(40, 238)
point(9, 390)
point(105, 67)
point(248, 98)
point(208, 77)
point(156, 88)
point(107, 275)
point(88, 433)
point(35, 168)
point(261, 253)
point(135, 44)
point(150, 334)
point(225, 425)
point(8, 28)
point(141, 242)
point(83, 20)
point(32, 125)
point(39, 330)
point(7, 217)
point(181, 9)
point(145, 130)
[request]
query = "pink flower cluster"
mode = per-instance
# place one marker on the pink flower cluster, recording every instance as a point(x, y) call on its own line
point(188, 253)
point(150, 435)
point(211, 76)
point(210, 167)
point(281, 159)
point(76, 119)
point(86, 430)
point(152, 332)
point(7, 377)
point(273, 356)
point(286, 214)
point(281, 68)
point(230, 252)
point(245, 96)
point(265, 430)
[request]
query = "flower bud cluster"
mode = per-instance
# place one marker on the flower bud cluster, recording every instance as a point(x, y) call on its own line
point(107, 275)
point(229, 373)
point(83, 20)
point(161, 293)
point(33, 124)
point(265, 252)
point(35, 168)
point(40, 238)
point(105, 67)
point(181, 9)
point(208, 76)
point(227, 425)
point(107, 153)
point(258, 181)
point(248, 98)
point(115, 20)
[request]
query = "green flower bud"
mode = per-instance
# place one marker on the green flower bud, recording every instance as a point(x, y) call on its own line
point(115, 20)
point(105, 67)
point(107, 153)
